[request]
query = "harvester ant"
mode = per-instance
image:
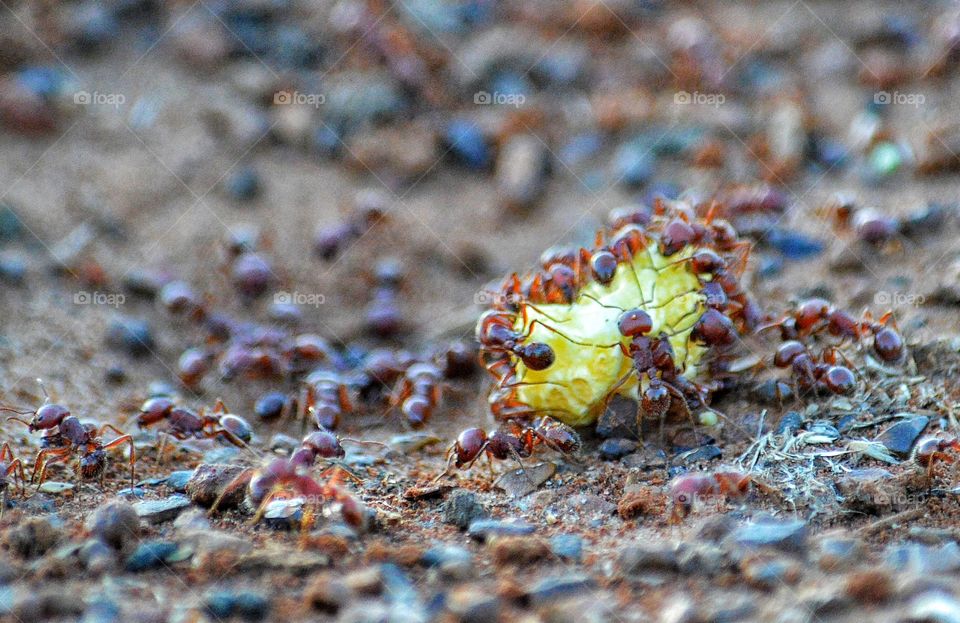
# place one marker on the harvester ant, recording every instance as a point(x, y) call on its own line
point(929, 450)
point(184, 423)
point(687, 489)
point(65, 435)
point(518, 443)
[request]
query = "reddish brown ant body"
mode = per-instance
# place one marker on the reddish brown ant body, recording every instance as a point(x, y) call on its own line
point(327, 398)
point(184, 423)
point(686, 489)
point(816, 315)
point(811, 372)
point(383, 317)
point(418, 392)
point(65, 435)
point(516, 440)
point(282, 477)
point(929, 450)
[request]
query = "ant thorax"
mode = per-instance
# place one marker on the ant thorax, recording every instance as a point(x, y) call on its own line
point(589, 363)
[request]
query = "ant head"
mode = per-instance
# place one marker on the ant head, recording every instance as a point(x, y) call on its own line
point(47, 416)
point(536, 355)
point(634, 322)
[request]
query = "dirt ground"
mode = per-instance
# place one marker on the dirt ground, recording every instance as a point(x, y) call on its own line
point(148, 178)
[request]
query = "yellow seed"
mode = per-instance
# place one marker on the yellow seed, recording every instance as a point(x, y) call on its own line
point(589, 364)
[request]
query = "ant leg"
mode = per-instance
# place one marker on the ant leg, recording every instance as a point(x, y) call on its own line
point(56, 458)
point(570, 339)
point(16, 468)
point(263, 506)
point(239, 482)
point(109, 427)
point(162, 442)
point(41, 458)
point(119, 441)
point(449, 457)
point(340, 468)
point(6, 452)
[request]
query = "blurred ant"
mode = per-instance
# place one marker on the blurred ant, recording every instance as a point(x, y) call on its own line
point(64, 435)
point(518, 443)
point(326, 397)
point(418, 393)
point(383, 317)
point(282, 477)
point(686, 489)
point(932, 449)
point(184, 423)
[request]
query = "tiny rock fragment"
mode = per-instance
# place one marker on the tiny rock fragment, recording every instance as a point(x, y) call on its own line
point(209, 481)
point(521, 482)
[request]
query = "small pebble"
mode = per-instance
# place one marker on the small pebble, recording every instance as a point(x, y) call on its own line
point(557, 588)
point(132, 335)
point(567, 547)
point(243, 184)
point(178, 480)
point(483, 529)
point(521, 482)
point(208, 482)
point(900, 437)
point(270, 405)
point(115, 523)
point(790, 535)
point(617, 448)
point(150, 555)
point(452, 561)
point(32, 537)
point(461, 508)
point(160, 511)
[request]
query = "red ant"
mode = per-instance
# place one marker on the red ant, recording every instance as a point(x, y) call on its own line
point(64, 434)
point(809, 373)
point(184, 423)
point(326, 397)
point(815, 315)
point(282, 476)
point(495, 333)
point(686, 489)
point(932, 449)
point(418, 392)
point(383, 317)
point(519, 443)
